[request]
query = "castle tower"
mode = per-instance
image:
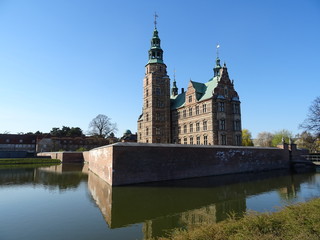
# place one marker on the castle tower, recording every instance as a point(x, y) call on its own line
point(154, 122)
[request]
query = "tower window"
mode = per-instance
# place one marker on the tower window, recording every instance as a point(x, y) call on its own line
point(147, 92)
point(223, 139)
point(190, 98)
point(238, 140)
point(147, 131)
point(191, 127)
point(222, 124)
point(190, 112)
point(237, 125)
point(221, 106)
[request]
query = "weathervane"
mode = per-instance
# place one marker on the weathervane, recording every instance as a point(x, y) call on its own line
point(155, 19)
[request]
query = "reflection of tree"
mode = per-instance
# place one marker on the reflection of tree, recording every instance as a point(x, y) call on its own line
point(18, 176)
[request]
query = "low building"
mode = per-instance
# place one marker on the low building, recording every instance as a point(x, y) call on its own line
point(17, 142)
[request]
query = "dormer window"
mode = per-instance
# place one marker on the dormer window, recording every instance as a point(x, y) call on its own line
point(190, 98)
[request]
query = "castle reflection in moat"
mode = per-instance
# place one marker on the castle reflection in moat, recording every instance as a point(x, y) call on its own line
point(167, 205)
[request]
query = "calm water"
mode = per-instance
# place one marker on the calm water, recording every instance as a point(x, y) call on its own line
point(68, 202)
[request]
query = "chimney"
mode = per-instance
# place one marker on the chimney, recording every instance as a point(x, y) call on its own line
point(182, 90)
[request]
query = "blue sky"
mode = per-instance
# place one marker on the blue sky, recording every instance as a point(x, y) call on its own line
point(63, 62)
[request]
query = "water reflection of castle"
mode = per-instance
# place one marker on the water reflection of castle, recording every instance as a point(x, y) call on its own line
point(168, 205)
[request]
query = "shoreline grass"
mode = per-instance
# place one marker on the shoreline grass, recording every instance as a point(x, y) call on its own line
point(28, 161)
point(294, 222)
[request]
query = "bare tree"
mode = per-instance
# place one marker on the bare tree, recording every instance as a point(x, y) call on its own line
point(312, 122)
point(102, 126)
point(264, 139)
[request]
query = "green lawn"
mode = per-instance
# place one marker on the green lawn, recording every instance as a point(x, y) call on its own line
point(15, 161)
point(296, 222)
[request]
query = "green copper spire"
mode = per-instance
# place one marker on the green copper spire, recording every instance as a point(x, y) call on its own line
point(217, 68)
point(155, 52)
point(174, 90)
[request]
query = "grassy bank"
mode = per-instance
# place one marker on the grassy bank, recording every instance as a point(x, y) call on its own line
point(301, 221)
point(16, 161)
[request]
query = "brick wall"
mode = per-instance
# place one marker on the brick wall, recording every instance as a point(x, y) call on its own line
point(129, 163)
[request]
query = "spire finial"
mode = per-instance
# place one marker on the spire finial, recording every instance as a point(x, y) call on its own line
point(155, 20)
point(218, 46)
point(174, 75)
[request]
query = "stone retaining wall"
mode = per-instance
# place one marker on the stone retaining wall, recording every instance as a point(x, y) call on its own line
point(129, 163)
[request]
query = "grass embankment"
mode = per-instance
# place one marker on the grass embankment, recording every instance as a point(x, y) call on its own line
point(296, 222)
point(16, 161)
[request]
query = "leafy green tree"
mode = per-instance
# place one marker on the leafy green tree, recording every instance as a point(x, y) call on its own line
point(67, 132)
point(284, 134)
point(246, 138)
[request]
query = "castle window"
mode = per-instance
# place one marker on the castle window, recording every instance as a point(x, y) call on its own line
point(222, 124)
point(191, 140)
point(178, 114)
point(158, 116)
point(223, 139)
point(147, 92)
point(198, 140)
point(190, 98)
point(237, 125)
point(204, 125)
point(147, 80)
point(205, 140)
point(191, 127)
point(140, 125)
point(147, 103)
point(221, 106)
point(236, 108)
point(147, 132)
point(190, 112)
point(185, 129)
point(185, 140)
point(197, 110)
point(179, 129)
point(158, 132)
point(184, 113)
point(197, 127)
point(140, 136)
point(147, 117)
point(204, 108)
point(238, 140)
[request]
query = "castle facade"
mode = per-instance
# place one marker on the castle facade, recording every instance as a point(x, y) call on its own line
point(205, 114)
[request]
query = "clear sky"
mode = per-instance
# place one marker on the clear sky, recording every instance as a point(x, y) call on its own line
point(63, 62)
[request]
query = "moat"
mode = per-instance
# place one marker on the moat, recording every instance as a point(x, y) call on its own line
point(70, 202)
